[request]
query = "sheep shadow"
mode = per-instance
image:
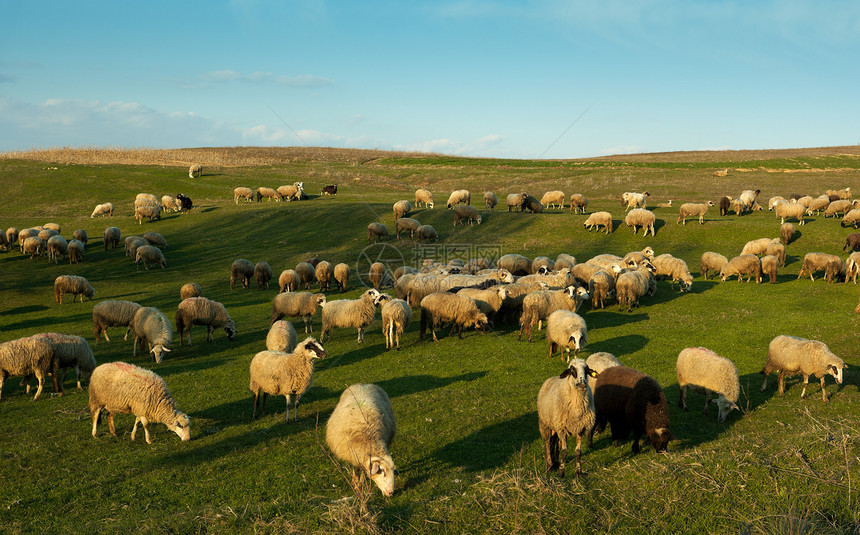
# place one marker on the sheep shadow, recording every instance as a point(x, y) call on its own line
point(492, 446)
point(598, 318)
point(412, 384)
point(208, 209)
point(26, 309)
point(53, 324)
point(620, 345)
point(351, 357)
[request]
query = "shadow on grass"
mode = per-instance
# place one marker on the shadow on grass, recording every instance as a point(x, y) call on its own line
point(53, 324)
point(492, 446)
point(601, 318)
point(25, 309)
point(620, 345)
point(411, 384)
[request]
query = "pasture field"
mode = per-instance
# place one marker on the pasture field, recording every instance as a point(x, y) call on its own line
point(467, 446)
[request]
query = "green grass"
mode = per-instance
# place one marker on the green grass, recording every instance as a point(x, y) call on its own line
point(467, 447)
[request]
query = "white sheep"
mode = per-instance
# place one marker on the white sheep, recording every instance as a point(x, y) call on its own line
point(377, 231)
point(57, 247)
point(287, 374)
point(396, 316)
point(788, 210)
point(203, 311)
point(241, 270)
point(341, 275)
point(537, 306)
point(168, 203)
point(401, 209)
point(297, 304)
point(426, 233)
point(675, 268)
point(306, 274)
point(565, 409)
point(832, 265)
point(425, 197)
point(243, 193)
point(102, 209)
point(33, 246)
point(113, 313)
point(357, 313)
point(288, 280)
point(601, 360)
point(76, 251)
point(633, 200)
point(156, 239)
point(640, 217)
point(705, 370)
point(267, 193)
point(262, 274)
point(290, 192)
point(691, 209)
point(852, 218)
point(149, 211)
point(490, 200)
point(282, 337)
point(71, 351)
point(360, 431)
point(112, 235)
point(748, 264)
point(598, 219)
point(147, 254)
point(196, 169)
point(632, 285)
point(516, 200)
point(840, 206)
point(469, 213)
point(24, 357)
point(190, 289)
point(488, 300)
point(406, 224)
point(459, 196)
point(578, 203)
point(554, 197)
point(152, 327)
point(119, 387)
point(72, 284)
point(601, 286)
point(852, 267)
point(566, 330)
point(441, 307)
point(790, 355)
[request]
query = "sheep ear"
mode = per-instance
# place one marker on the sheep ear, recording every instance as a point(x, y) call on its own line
point(590, 372)
point(567, 372)
point(374, 468)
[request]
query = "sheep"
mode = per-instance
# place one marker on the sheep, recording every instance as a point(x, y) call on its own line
point(24, 357)
point(640, 217)
point(268, 193)
point(551, 198)
point(102, 209)
point(712, 262)
point(842, 193)
point(396, 316)
point(539, 305)
point(57, 247)
point(790, 355)
point(196, 169)
point(692, 210)
point(113, 313)
point(441, 307)
point(633, 200)
point(341, 276)
point(532, 205)
point(720, 173)
point(566, 330)
point(202, 311)
point(773, 201)
point(149, 253)
point(632, 285)
point(805, 200)
point(190, 289)
point(76, 251)
point(119, 387)
point(426, 233)
point(489, 300)
point(243, 193)
point(72, 284)
point(469, 213)
point(542, 265)
point(46, 234)
point(749, 265)
point(818, 204)
point(297, 304)
point(597, 362)
point(357, 313)
point(564, 260)
point(169, 203)
point(599, 219)
point(788, 210)
point(360, 431)
point(516, 200)
point(840, 206)
point(401, 209)
point(425, 197)
point(324, 274)
point(739, 206)
point(241, 270)
point(282, 337)
point(11, 235)
point(284, 373)
point(630, 400)
point(601, 286)
point(149, 200)
point(583, 272)
point(408, 224)
point(725, 204)
point(156, 239)
point(69, 351)
point(636, 258)
point(377, 275)
point(776, 249)
point(152, 327)
point(376, 232)
point(289, 192)
point(852, 242)
point(262, 274)
point(112, 235)
point(578, 203)
point(131, 245)
point(558, 279)
point(786, 233)
point(490, 200)
point(705, 370)
point(305, 274)
point(34, 246)
point(515, 263)
point(152, 212)
point(565, 408)
point(460, 196)
point(749, 197)
point(852, 267)
point(813, 262)
point(852, 217)
point(675, 268)
point(80, 235)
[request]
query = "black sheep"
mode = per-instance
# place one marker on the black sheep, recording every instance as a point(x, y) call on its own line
point(184, 202)
point(725, 205)
point(852, 242)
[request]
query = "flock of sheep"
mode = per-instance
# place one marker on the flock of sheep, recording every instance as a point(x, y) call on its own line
point(586, 396)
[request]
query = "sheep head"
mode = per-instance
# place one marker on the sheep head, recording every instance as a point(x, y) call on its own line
point(382, 471)
point(230, 329)
point(578, 372)
point(724, 407)
point(181, 425)
point(836, 371)
point(158, 352)
point(312, 346)
point(659, 438)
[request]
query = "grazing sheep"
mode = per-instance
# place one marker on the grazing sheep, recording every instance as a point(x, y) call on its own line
point(551, 198)
point(147, 254)
point(81, 235)
point(459, 196)
point(789, 210)
point(537, 306)
point(790, 355)
point(243, 193)
point(24, 357)
point(640, 217)
point(241, 270)
point(297, 304)
point(630, 400)
point(633, 200)
point(739, 206)
point(559, 279)
point(852, 267)
point(262, 274)
point(324, 274)
point(401, 209)
point(488, 300)
point(103, 209)
point(597, 362)
point(426, 233)
point(185, 203)
point(112, 236)
point(113, 313)
point(341, 276)
point(306, 273)
point(421, 286)
point(516, 264)
point(601, 286)
point(749, 265)
point(566, 330)
point(749, 197)
point(773, 201)
point(516, 200)
point(469, 213)
point(152, 327)
point(565, 409)
point(202, 311)
point(578, 203)
point(840, 206)
point(72, 284)
point(851, 218)
point(691, 209)
point(599, 219)
point(406, 223)
point(169, 203)
point(705, 370)
point(490, 200)
point(152, 212)
point(852, 242)
point(636, 258)
point(267, 193)
point(11, 236)
point(377, 275)
point(786, 233)
point(119, 387)
point(583, 272)
point(769, 267)
point(196, 170)
point(842, 193)
point(818, 205)
point(76, 251)
point(131, 245)
point(632, 285)
point(70, 351)
point(47, 234)
point(813, 262)
point(720, 173)
point(376, 232)
point(289, 192)
point(441, 307)
point(542, 265)
point(156, 239)
point(190, 289)
point(778, 250)
point(725, 204)
point(360, 431)
point(564, 260)
point(532, 205)
point(712, 262)
point(396, 316)
point(357, 313)
point(34, 246)
point(282, 337)
point(423, 196)
point(675, 268)
point(58, 248)
point(288, 374)
point(288, 280)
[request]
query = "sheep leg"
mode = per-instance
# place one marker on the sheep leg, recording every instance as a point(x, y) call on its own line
point(360, 335)
point(96, 417)
point(707, 402)
point(562, 453)
point(781, 382)
point(764, 384)
point(308, 327)
point(551, 349)
point(823, 392)
point(805, 384)
point(578, 455)
point(111, 427)
point(210, 336)
point(256, 401)
point(682, 397)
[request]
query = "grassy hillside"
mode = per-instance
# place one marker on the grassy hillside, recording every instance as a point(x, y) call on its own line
point(467, 447)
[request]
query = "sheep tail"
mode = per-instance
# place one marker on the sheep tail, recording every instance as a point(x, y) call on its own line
point(425, 315)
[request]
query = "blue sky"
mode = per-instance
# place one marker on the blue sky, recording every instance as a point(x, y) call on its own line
point(520, 79)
